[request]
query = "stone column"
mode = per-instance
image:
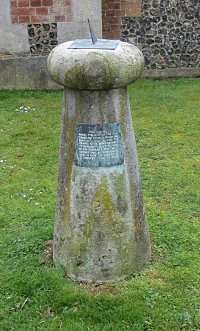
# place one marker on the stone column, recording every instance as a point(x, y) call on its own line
point(101, 232)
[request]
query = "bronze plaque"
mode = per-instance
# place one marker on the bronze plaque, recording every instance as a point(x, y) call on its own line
point(98, 145)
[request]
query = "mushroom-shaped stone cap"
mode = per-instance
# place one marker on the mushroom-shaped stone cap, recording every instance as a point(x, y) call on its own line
point(95, 69)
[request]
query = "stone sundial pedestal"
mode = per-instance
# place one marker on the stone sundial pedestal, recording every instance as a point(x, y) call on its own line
point(100, 230)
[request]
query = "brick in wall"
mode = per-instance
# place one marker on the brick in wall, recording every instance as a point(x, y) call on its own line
point(113, 11)
point(40, 11)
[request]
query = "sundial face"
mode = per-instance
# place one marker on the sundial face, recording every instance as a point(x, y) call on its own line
point(99, 44)
point(94, 43)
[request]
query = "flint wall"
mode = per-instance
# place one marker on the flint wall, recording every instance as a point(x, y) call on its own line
point(167, 31)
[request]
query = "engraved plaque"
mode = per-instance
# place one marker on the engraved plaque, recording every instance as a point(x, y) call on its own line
point(98, 145)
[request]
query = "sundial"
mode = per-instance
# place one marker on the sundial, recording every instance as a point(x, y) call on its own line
point(100, 233)
point(94, 43)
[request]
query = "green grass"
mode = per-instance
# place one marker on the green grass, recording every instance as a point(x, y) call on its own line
point(164, 296)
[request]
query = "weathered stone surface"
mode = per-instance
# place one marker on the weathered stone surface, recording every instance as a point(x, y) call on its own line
point(22, 72)
point(91, 69)
point(101, 232)
point(13, 39)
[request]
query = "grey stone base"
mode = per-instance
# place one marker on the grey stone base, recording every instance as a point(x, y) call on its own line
point(30, 72)
point(25, 72)
point(171, 73)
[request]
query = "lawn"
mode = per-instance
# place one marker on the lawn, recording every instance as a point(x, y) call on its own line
point(35, 295)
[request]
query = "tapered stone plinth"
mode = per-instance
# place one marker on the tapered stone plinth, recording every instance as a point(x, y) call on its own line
point(101, 232)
